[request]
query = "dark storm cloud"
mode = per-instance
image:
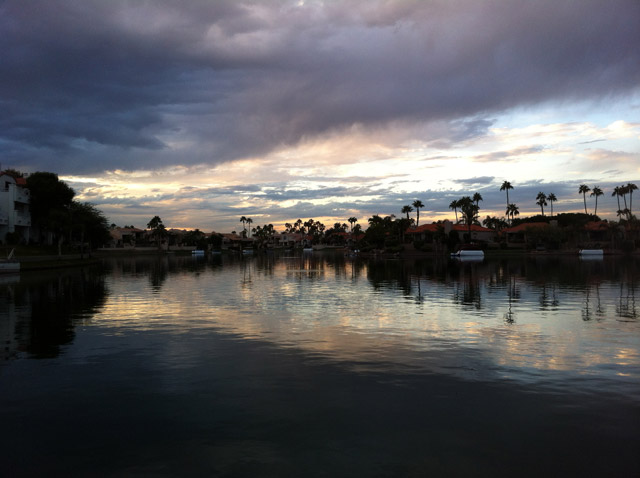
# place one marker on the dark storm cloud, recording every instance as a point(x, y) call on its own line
point(95, 85)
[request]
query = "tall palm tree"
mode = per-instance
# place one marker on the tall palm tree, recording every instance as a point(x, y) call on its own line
point(552, 198)
point(477, 197)
point(352, 221)
point(631, 187)
point(406, 210)
point(505, 187)
point(417, 204)
point(243, 220)
point(249, 222)
point(584, 189)
point(454, 205)
point(617, 194)
point(597, 192)
point(541, 201)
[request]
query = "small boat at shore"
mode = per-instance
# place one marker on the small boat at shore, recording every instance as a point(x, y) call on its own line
point(9, 265)
point(591, 252)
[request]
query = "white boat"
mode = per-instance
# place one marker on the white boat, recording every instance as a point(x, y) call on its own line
point(591, 252)
point(197, 252)
point(468, 253)
point(247, 251)
point(9, 267)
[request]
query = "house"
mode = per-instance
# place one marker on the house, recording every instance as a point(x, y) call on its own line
point(518, 234)
point(426, 232)
point(126, 237)
point(15, 217)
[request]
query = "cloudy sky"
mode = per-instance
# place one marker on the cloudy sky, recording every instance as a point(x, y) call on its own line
point(207, 110)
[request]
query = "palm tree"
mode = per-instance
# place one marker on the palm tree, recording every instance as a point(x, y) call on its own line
point(596, 192)
point(631, 187)
point(352, 221)
point(417, 204)
point(249, 221)
point(512, 210)
point(477, 197)
point(616, 192)
point(552, 198)
point(584, 189)
point(454, 205)
point(505, 187)
point(243, 220)
point(541, 201)
point(406, 210)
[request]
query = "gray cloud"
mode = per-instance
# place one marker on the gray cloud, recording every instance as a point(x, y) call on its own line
point(95, 85)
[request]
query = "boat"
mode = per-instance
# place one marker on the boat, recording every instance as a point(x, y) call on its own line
point(197, 252)
point(468, 253)
point(591, 252)
point(247, 251)
point(9, 265)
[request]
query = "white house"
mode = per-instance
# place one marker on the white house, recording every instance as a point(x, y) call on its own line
point(14, 208)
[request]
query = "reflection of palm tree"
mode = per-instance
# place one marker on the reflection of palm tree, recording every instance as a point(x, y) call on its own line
point(584, 189)
point(417, 204)
point(552, 198)
point(505, 187)
point(597, 192)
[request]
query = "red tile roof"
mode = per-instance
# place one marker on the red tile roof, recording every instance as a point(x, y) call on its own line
point(525, 225)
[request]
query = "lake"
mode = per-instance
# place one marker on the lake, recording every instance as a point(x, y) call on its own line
point(320, 365)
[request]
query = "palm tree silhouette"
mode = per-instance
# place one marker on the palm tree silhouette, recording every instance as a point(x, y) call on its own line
point(417, 204)
point(597, 192)
point(512, 210)
point(352, 221)
point(243, 220)
point(541, 201)
point(406, 210)
point(505, 187)
point(477, 197)
point(584, 189)
point(249, 222)
point(454, 205)
point(630, 188)
point(552, 198)
point(616, 192)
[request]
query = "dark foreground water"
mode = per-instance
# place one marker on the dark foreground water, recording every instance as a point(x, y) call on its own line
point(320, 366)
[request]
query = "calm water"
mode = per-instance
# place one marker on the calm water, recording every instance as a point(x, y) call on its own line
point(318, 365)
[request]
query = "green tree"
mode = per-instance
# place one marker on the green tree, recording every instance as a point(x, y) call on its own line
point(505, 187)
point(584, 189)
point(89, 225)
point(541, 200)
point(417, 204)
point(50, 204)
point(597, 192)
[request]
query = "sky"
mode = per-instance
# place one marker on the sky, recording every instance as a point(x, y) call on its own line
point(204, 111)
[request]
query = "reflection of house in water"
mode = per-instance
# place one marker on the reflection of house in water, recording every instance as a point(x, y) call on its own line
point(8, 320)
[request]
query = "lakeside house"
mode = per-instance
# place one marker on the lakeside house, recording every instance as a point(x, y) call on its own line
point(426, 232)
point(15, 216)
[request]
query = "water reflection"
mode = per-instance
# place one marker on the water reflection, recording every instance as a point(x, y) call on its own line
point(39, 313)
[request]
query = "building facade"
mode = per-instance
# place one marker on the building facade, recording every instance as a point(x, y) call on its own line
point(15, 217)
